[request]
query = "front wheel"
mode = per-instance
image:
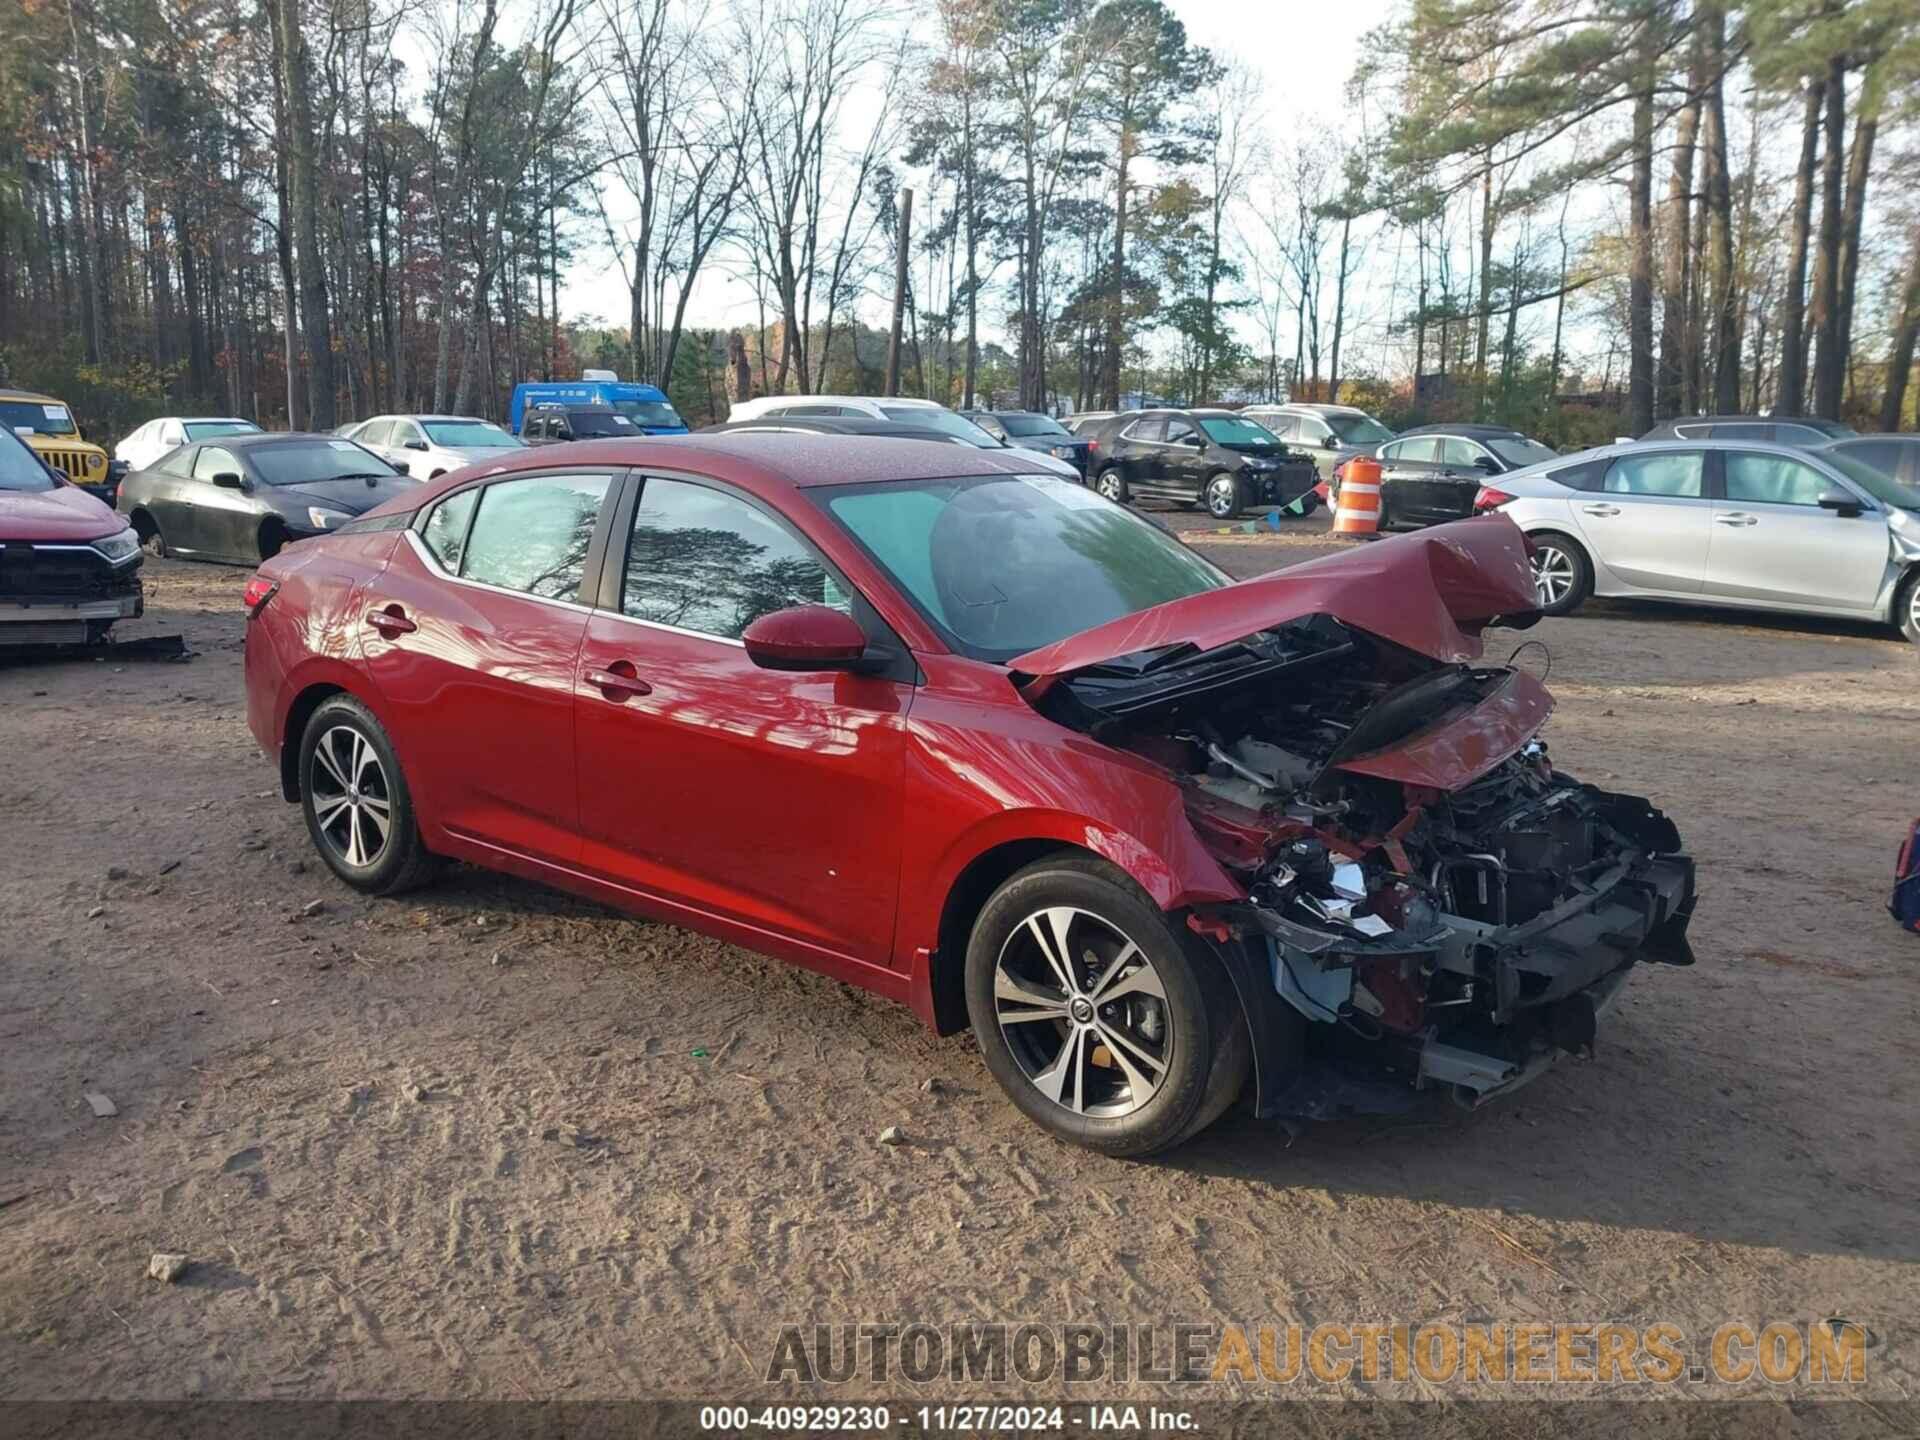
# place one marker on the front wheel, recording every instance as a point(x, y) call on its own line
point(354, 796)
point(1562, 575)
point(1906, 608)
point(1111, 485)
point(1090, 1011)
point(1222, 497)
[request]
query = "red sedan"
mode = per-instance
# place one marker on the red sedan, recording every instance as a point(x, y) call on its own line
point(983, 742)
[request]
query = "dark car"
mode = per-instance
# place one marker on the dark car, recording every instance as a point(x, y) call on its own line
point(997, 749)
point(242, 497)
point(1087, 422)
point(1805, 431)
point(1895, 456)
point(1213, 458)
point(556, 424)
point(1030, 430)
point(1431, 473)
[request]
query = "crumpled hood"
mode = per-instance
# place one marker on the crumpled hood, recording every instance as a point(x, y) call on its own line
point(62, 513)
point(1430, 592)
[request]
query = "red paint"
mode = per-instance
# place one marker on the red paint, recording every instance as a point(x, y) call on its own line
point(824, 816)
point(64, 513)
point(1448, 755)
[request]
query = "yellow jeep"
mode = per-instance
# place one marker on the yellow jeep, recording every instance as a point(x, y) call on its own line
point(47, 425)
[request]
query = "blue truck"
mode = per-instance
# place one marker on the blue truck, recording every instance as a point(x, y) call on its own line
point(645, 405)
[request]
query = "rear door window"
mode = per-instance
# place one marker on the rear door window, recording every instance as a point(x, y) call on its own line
point(1679, 476)
point(1147, 430)
point(532, 535)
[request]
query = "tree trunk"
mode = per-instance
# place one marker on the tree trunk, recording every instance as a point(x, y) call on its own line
point(1116, 310)
point(1790, 398)
point(1829, 369)
point(300, 144)
point(1726, 303)
point(1339, 311)
point(1677, 278)
point(1640, 269)
point(1865, 127)
point(1906, 333)
point(1486, 283)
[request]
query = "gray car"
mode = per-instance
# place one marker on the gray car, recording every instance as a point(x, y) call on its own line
point(428, 446)
point(1329, 435)
point(1746, 525)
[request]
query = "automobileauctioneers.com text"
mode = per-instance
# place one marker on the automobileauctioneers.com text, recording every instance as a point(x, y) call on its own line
point(1439, 1353)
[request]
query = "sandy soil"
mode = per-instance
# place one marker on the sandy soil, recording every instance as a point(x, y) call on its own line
point(490, 1142)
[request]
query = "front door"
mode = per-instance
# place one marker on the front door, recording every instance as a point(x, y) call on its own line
point(472, 636)
point(766, 798)
point(1771, 541)
point(1649, 521)
point(223, 522)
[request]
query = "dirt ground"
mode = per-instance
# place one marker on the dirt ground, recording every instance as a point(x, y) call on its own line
point(490, 1142)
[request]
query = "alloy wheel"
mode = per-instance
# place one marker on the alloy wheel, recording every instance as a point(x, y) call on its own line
point(1108, 485)
point(1083, 1011)
point(1223, 497)
point(1553, 573)
point(351, 797)
point(1913, 609)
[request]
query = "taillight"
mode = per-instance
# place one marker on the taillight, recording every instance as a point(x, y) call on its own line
point(1491, 499)
point(258, 592)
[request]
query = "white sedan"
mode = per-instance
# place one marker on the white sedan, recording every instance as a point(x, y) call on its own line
point(428, 446)
point(1739, 524)
point(145, 446)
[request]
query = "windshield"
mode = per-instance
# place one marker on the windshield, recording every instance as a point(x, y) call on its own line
point(40, 416)
point(20, 468)
point(930, 417)
point(1034, 425)
point(1002, 565)
point(209, 429)
point(588, 423)
point(1517, 450)
point(1358, 429)
point(1236, 430)
point(469, 434)
point(654, 414)
point(300, 462)
point(1884, 488)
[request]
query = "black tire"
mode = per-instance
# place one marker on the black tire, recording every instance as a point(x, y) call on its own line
point(1232, 1046)
point(1906, 606)
point(273, 539)
point(1385, 519)
point(1111, 484)
point(151, 540)
point(1102, 1106)
point(402, 860)
point(1562, 555)
point(1223, 495)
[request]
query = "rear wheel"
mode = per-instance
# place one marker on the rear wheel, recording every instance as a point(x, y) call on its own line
point(1091, 1012)
point(358, 809)
point(1223, 497)
point(1562, 574)
point(1906, 608)
point(1113, 485)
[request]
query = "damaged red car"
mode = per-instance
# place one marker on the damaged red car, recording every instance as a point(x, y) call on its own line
point(985, 743)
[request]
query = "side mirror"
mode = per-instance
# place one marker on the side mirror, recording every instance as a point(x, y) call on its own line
point(1840, 502)
point(416, 445)
point(1197, 442)
point(805, 637)
point(230, 480)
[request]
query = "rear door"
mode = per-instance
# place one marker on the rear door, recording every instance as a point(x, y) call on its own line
point(770, 799)
point(1772, 542)
point(1136, 448)
point(472, 634)
point(1649, 519)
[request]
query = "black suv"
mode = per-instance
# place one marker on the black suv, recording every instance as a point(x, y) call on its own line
point(1802, 430)
point(552, 424)
point(1430, 474)
point(1213, 458)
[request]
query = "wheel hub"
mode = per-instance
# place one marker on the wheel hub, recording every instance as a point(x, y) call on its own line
point(1081, 1010)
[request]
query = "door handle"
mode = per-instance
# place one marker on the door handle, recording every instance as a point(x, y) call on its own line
point(618, 682)
point(1736, 517)
point(1601, 510)
point(391, 621)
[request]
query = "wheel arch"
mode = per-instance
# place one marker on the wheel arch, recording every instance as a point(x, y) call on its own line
point(299, 711)
point(144, 525)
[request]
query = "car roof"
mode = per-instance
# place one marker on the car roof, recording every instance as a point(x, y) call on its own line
point(581, 407)
point(1311, 407)
point(466, 419)
point(263, 439)
point(1472, 429)
point(1872, 436)
point(869, 425)
point(764, 463)
point(6, 394)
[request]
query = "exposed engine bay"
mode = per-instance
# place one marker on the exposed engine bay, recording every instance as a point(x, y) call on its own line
point(1443, 907)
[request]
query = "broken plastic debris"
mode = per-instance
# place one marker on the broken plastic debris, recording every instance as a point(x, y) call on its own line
point(1370, 925)
point(1350, 880)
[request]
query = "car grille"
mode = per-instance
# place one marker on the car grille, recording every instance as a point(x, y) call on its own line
point(47, 572)
point(81, 466)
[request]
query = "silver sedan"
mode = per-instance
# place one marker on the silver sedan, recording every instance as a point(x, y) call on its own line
point(1746, 525)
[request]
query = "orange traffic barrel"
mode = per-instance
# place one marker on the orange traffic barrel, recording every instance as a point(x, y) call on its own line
point(1359, 509)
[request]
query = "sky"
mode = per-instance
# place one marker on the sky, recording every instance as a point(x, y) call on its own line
point(1304, 49)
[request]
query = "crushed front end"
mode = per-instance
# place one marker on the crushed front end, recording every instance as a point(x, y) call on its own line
point(67, 593)
point(1442, 909)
